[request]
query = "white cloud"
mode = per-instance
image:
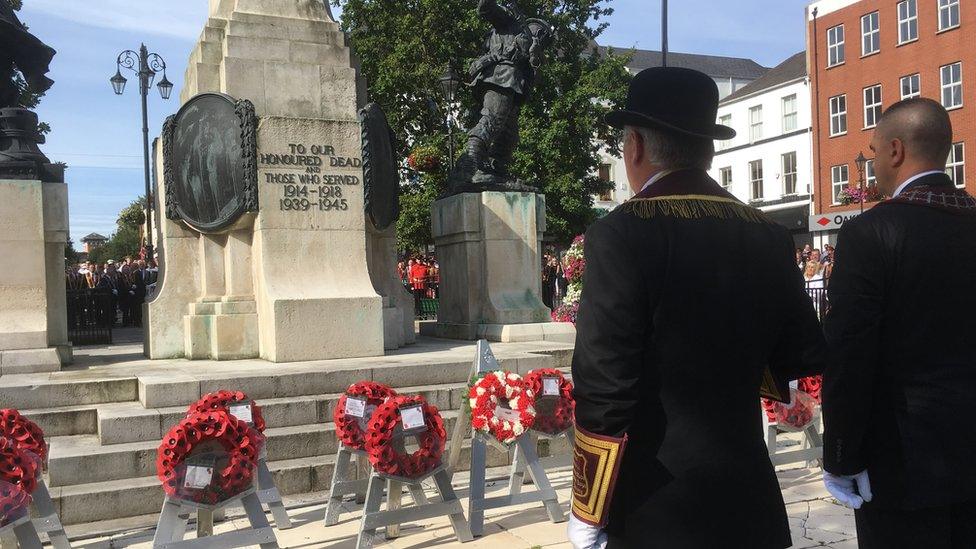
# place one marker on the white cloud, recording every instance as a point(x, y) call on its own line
point(181, 19)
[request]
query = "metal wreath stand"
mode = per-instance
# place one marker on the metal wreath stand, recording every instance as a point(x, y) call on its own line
point(47, 521)
point(24, 531)
point(526, 460)
point(176, 513)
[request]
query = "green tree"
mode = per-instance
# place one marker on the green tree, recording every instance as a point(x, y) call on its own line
point(70, 253)
point(405, 46)
point(127, 239)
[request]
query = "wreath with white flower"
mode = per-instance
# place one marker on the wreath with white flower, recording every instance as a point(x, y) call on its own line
point(501, 406)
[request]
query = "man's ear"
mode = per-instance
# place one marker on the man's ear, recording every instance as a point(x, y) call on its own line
point(637, 150)
point(897, 152)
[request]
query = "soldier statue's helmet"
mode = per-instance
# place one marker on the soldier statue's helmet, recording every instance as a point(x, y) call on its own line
point(539, 29)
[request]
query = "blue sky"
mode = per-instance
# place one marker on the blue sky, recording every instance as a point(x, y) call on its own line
point(99, 134)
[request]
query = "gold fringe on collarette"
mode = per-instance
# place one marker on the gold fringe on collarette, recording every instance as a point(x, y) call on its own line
point(693, 206)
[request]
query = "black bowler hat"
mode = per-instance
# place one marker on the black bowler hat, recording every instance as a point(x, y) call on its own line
point(672, 98)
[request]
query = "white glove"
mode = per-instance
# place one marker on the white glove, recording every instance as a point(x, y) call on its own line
point(115, 292)
point(842, 488)
point(584, 536)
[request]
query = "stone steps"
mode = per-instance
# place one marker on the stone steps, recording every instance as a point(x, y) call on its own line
point(30, 394)
point(131, 422)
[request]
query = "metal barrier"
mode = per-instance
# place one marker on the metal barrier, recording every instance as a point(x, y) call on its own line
point(818, 294)
point(91, 315)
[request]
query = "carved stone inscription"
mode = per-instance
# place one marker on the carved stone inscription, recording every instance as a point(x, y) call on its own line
point(308, 179)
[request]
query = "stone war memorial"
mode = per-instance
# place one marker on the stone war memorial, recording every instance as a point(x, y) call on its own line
point(280, 327)
point(263, 192)
point(33, 216)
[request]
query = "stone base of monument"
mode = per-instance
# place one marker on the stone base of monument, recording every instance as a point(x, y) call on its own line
point(562, 332)
point(33, 231)
point(488, 248)
point(221, 330)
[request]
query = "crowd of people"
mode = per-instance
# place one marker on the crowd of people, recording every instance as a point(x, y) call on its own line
point(815, 265)
point(421, 276)
point(553, 281)
point(129, 282)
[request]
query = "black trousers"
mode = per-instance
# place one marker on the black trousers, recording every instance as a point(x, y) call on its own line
point(950, 527)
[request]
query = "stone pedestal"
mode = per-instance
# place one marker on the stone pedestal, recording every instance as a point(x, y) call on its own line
point(398, 303)
point(290, 284)
point(33, 315)
point(488, 248)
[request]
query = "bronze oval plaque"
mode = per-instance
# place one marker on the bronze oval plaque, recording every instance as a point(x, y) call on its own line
point(209, 154)
point(381, 176)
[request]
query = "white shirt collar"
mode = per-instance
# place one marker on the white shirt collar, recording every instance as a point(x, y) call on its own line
point(912, 179)
point(654, 179)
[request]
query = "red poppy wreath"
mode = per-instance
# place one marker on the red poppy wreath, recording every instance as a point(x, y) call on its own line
point(24, 433)
point(554, 404)
point(225, 400)
point(384, 454)
point(14, 502)
point(351, 418)
point(17, 466)
point(200, 431)
point(502, 406)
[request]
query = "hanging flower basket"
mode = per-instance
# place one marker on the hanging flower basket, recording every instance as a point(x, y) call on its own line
point(386, 456)
point(554, 403)
point(351, 420)
point(238, 444)
point(424, 158)
point(25, 433)
point(228, 401)
point(574, 262)
point(502, 406)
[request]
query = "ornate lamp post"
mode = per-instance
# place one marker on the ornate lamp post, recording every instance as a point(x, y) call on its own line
point(860, 161)
point(145, 65)
point(449, 85)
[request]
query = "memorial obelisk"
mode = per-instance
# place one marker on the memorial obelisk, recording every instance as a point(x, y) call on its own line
point(290, 275)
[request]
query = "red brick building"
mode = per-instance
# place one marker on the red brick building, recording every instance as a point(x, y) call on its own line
point(863, 56)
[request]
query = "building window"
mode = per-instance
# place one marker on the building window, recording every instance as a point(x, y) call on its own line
point(838, 180)
point(755, 180)
point(789, 173)
point(725, 175)
point(911, 86)
point(835, 45)
point(789, 113)
point(755, 124)
point(956, 165)
point(870, 179)
point(838, 115)
point(605, 176)
point(907, 21)
point(725, 120)
point(870, 34)
point(872, 106)
point(952, 85)
point(948, 14)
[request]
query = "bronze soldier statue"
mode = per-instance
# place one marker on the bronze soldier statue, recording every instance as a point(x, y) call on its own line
point(502, 79)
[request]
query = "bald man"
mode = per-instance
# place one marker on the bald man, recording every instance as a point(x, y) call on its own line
point(899, 389)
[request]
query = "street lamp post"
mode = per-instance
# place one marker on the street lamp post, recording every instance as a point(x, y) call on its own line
point(860, 161)
point(449, 85)
point(145, 65)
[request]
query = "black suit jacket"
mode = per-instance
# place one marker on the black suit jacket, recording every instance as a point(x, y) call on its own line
point(901, 382)
point(689, 296)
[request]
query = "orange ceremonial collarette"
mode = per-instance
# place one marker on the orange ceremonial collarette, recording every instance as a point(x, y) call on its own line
point(596, 462)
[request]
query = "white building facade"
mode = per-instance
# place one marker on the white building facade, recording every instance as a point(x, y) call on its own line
point(769, 163)
point(730, 74)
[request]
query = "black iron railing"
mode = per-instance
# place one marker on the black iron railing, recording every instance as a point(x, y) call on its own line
point(91, 315)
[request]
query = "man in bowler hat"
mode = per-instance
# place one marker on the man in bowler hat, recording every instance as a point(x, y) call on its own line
point(898, 393)
point(670, 355)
